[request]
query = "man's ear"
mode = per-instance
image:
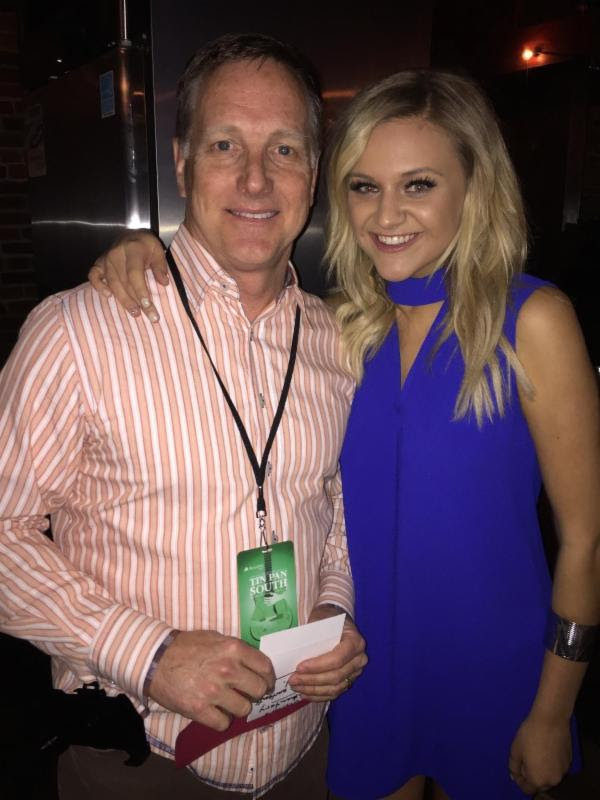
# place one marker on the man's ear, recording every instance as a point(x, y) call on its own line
point(180, 165)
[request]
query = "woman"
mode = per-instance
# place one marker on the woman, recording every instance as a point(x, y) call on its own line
point(473, 383)
point(479, 379)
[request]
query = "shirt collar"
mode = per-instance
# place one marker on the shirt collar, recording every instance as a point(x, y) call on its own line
point(201, 272)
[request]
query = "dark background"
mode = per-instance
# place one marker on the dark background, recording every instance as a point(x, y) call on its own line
point(550, 113)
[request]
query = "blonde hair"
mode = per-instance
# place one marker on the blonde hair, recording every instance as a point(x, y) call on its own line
point(486, 254)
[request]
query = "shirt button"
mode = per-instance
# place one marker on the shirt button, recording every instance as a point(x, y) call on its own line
point(261, 400)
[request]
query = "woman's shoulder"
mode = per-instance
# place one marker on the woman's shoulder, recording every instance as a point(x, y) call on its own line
point(535, 296)
point(535, 307)
point(524, 285)
point(547, 318)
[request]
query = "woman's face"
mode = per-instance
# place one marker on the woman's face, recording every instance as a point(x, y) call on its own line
point(405, 197)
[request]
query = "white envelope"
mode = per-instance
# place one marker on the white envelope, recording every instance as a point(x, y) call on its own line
point(287, 649)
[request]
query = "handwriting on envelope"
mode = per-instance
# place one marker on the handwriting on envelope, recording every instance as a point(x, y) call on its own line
point(287, 649)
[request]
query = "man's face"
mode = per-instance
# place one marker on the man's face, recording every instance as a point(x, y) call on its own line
point(248, 176)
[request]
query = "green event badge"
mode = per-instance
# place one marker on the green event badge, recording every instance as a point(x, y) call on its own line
point(266, 591)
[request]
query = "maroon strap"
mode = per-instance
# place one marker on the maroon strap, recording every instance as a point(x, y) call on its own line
point(195, 740)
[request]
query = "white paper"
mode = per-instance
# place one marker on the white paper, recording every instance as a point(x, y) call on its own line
point(287, 649)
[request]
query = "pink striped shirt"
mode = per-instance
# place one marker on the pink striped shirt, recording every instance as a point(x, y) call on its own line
point(118, 429)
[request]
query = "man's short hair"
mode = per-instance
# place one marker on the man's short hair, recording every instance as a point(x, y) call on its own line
point(233, 47)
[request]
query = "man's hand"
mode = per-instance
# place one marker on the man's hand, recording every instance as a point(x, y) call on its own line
point(540, 754)
point(120, 271)
point(326, 677)
point(209, 678)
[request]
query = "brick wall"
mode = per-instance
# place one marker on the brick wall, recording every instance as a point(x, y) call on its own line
point(18, 289)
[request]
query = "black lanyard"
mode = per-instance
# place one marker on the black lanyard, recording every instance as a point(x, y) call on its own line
point(258, 469)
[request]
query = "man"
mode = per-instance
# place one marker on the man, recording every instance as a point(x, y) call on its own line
point(120, 429)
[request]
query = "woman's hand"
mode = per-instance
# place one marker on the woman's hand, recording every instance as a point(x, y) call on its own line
point(120, 271)
point(541, 753)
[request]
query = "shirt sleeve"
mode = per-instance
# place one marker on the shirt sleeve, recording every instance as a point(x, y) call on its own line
point(44, 597)
point(336, 584)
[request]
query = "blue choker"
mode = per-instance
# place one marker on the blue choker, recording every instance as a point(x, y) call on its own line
point(418, 291)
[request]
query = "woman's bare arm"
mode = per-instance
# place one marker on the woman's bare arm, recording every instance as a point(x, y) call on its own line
point(564, 421)
point(120, 271)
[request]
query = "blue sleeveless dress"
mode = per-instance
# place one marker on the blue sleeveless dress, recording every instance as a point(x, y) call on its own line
point(452, 586)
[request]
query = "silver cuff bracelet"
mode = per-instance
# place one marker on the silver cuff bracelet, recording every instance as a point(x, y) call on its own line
point(569, 639)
